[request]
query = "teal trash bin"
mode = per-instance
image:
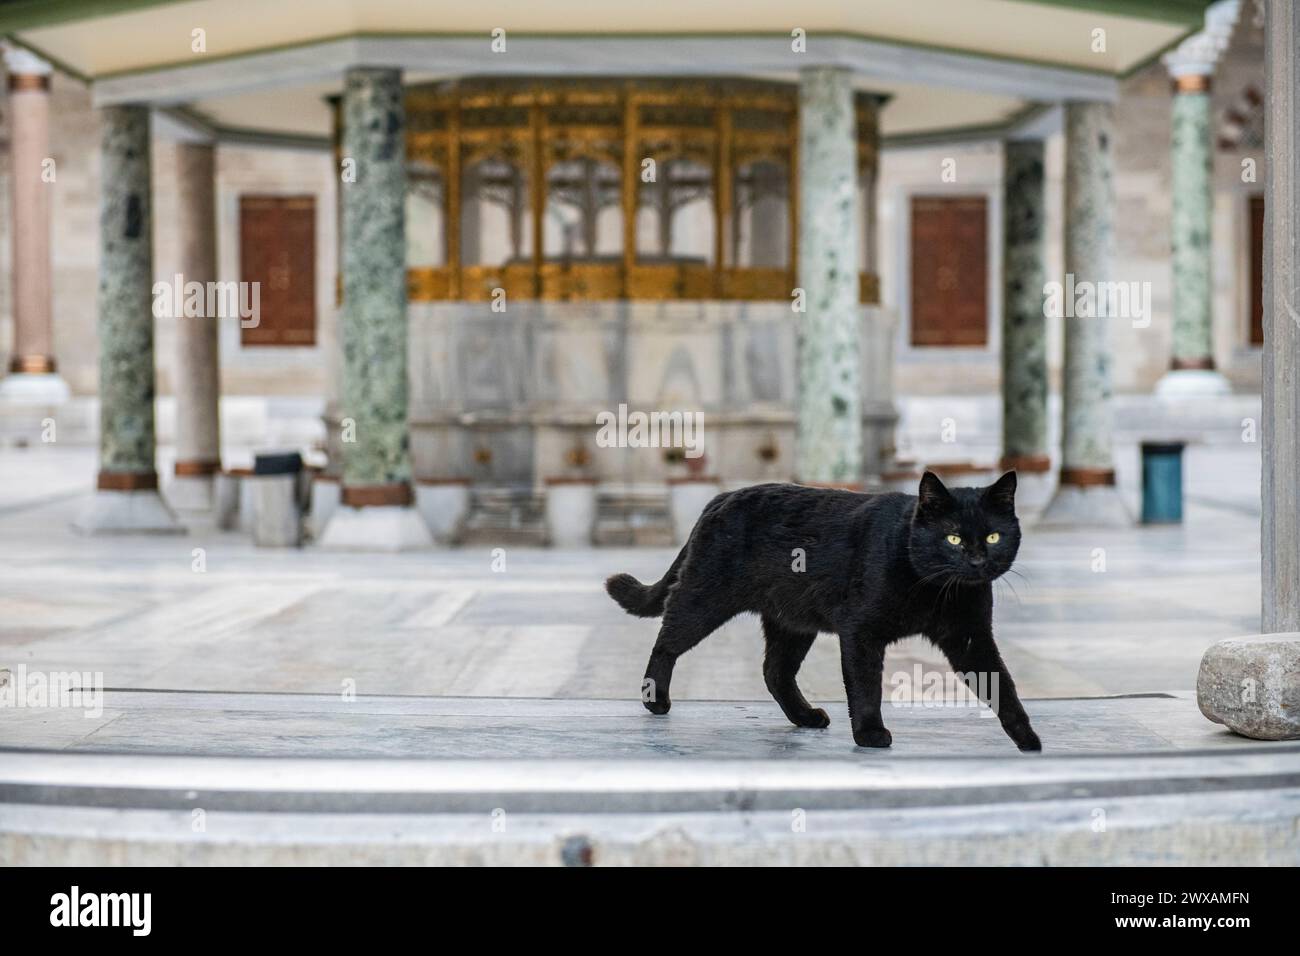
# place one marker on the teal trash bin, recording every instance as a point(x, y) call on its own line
point(1162, 482)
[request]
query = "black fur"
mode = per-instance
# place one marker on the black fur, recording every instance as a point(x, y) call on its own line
point(877, 568)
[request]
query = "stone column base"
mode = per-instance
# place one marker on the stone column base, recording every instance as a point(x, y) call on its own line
point(193, 488)
point(1085, 498)
point(376, 528)
point(1035, 481)
point(1252, 686)
point(687, 499)
point(326, 492)
point(140, 511)
point(192, 494)
point(570, 512)
point(34, 388)
point(1034, 491)
point(444, 506)
point(1192, 383)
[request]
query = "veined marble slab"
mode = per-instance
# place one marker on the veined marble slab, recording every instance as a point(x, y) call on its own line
point(316, 726)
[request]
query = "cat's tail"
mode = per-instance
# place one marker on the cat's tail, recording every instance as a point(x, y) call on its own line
point(644, 600)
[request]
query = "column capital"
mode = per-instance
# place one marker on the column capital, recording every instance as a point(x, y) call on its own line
point(1193, 62)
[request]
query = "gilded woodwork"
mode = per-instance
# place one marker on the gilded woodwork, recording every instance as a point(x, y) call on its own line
point(721, 128)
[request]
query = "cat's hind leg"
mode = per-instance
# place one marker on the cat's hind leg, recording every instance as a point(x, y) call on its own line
point(691, 616)
point(785, 651)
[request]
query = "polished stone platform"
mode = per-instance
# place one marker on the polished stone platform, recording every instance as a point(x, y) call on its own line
point(185, 778)
point(183, 723)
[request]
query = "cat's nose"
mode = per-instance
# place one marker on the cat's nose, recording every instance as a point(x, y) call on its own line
point(976, 560)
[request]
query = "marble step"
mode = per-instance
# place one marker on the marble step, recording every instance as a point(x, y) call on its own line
point(316, 779)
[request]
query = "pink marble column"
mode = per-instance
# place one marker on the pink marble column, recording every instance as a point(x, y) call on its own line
point(197, 378)
point(32, 367)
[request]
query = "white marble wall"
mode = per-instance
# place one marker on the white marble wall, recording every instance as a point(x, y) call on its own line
point(527, 385)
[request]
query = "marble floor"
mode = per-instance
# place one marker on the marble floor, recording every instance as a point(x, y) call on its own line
point(1093, 613)
point(402, 701)
point(195, 723)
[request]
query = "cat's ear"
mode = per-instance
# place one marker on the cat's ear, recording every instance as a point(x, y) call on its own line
point(935, 498)
point(1001, 495)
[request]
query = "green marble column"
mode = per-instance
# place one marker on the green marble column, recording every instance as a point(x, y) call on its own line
point(127, 499)
point(829, 416)
point(1192, 199)
point(376, 491)
point(377, 465)
point(126, 366)
point(1089, 245)
point(1191, 65)
point(1024, 324)
point(1086, 493)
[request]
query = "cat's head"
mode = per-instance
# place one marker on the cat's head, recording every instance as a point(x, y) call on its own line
point(968, 533)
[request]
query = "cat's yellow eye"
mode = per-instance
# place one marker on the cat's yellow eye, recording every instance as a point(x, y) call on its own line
point(993, 538)
point(954, 539)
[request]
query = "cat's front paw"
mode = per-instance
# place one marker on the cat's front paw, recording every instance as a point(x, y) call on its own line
point(874, 737)
point(1024, 737)
point(658, 706)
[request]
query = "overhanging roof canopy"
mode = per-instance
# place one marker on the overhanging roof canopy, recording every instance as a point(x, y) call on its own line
point(948, 64)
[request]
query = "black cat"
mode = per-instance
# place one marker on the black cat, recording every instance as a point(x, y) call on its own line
point(871, 568)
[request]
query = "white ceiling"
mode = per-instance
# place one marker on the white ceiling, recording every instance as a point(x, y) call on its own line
point(251, 75)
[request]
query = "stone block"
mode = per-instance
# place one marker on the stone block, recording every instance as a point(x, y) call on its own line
point(1252, 686)
point(277, 519)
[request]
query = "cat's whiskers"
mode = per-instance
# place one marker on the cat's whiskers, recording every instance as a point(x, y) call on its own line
point(950, 586)
point(1012, 587)
point(926, 580)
